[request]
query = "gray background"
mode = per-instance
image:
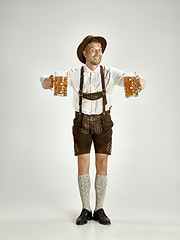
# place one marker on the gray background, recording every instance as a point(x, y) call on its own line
point(39, 196)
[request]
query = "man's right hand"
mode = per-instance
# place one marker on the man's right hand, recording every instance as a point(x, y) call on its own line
point(48, 82)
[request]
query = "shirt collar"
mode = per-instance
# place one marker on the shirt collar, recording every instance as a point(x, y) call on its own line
point(87, 70)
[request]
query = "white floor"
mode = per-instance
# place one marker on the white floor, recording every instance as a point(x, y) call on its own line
point(51, 223)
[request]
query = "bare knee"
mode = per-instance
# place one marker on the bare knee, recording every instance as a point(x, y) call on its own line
point(101, 164)
point(83, 164)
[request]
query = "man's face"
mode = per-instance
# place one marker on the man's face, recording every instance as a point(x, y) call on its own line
point(93, 53)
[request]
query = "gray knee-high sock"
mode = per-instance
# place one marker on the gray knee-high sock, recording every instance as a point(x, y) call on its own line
point(100, 187)
point(84, 183)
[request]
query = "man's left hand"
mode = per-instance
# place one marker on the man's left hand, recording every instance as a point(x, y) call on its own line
point(141, 81)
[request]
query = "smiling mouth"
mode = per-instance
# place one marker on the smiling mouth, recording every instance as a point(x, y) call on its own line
point(97, 58)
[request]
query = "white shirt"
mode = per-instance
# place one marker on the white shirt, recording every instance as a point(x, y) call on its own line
point(92, 83)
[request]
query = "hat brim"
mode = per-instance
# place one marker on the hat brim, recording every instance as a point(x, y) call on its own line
point(81, 47)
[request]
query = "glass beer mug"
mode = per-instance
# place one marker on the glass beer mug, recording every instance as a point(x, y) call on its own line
point(60, 84)
point(131, 85)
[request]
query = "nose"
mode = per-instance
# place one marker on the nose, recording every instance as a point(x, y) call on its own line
point(96, 53)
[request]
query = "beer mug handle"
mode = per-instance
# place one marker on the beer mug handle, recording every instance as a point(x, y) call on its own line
point(52, 77)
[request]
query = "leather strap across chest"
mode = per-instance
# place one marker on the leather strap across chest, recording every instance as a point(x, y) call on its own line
point(92, 96)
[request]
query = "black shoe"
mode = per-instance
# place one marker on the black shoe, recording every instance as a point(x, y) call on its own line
point(84, 216)
point(100, 216)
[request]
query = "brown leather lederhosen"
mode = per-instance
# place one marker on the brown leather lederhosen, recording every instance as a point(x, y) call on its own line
point(94, 123)
point(95, 126)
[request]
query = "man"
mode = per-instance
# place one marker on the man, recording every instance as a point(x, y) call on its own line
point(92, 85)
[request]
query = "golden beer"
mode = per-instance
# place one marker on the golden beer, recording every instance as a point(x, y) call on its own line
point(131, 86)
point(60, 85)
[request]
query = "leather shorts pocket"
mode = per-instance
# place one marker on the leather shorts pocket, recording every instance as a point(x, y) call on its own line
point(77, 121)
point(107, 122)
point(80, 126)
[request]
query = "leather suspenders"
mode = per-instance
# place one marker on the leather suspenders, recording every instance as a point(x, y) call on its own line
point(103, 89)
point(92, 96)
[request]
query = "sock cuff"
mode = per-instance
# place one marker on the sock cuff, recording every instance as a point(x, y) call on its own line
point(101, 177)
point(83, 176)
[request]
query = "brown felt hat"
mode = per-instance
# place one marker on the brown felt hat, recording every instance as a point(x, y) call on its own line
point(85, 41)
